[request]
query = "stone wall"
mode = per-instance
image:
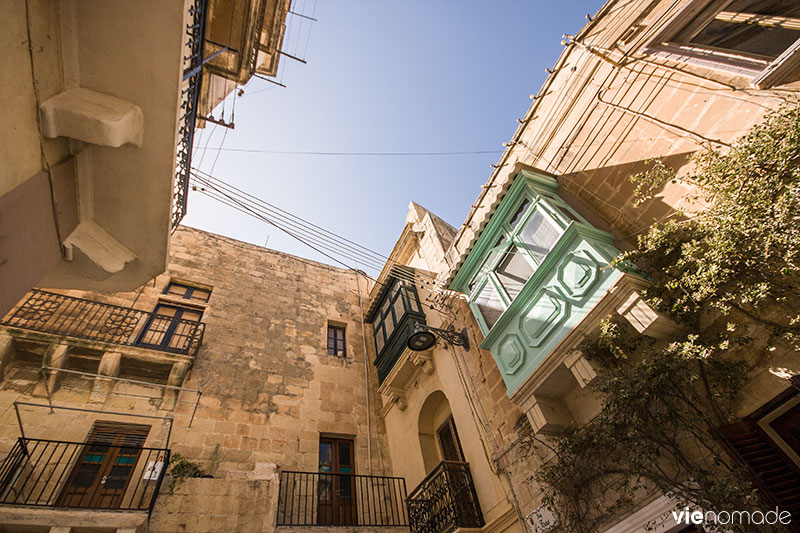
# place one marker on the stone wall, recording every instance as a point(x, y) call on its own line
point(212, 505)
point(269, 387)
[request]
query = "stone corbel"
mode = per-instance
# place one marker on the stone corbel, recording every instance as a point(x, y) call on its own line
point(176, 376)
point(647, 320)
point(109, 366)
point(92, 117)
point(547, 415)
point(55, 357)
point(581, 368)
point(7, 352)
point(396, 396)
point(424, 360)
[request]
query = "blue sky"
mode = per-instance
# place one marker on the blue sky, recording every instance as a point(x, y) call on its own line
point(436, 76)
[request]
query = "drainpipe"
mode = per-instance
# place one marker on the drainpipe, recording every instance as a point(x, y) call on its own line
point(366, 373)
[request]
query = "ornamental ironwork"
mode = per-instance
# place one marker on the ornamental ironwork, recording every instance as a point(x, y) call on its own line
point(445, 500)
point(68, 316)
point(190, 96)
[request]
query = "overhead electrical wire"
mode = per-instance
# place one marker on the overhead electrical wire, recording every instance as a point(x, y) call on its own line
point(347, 247)
point(325, 242)
point(360, 154)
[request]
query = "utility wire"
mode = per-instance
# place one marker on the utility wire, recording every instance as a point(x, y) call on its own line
point(307, 232)
point(398, 270)
point(294, 219)
point(292, 226)
point(368, 154)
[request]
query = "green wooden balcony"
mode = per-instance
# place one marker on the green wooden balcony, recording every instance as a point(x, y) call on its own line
point(534, 273)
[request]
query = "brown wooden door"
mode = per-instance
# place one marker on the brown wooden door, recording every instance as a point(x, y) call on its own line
point(104, 466)
point(336, 494)
point(448, 441)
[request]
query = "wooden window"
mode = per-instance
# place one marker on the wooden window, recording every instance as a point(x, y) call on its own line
point(760, 37)
point(336, 341)
point(526, 237)
point(188, 292)
point(171, 328)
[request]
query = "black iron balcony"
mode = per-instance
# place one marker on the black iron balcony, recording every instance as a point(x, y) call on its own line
point(47, 473)
point(190, 95)
point(328, 499)
point(445, 500)
point(67, 316)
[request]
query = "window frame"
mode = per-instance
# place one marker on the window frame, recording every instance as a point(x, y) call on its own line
point(188, 293)
point(336, 328)
point(764, 72)
point(554, 210)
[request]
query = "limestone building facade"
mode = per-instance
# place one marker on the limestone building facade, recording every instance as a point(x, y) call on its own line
point(235, 373)
point(295, 384)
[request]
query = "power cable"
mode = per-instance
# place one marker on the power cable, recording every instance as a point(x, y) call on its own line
point(368, 154)
point(275, 211)
point(291, 227)
point(296, 227)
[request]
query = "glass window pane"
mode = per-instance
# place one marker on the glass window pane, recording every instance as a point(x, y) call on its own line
point(513, 271)
point(411, 294)
point(490, 305)
point(497, 251)
point(379, 341)
point(344, 454)
point(540, 235)
point(518, 214)
point(201, 295)
point(399, 308)
point(388, 324)
point(325, 458)
point(746, 38)
point(780, 8)
point(177, 290)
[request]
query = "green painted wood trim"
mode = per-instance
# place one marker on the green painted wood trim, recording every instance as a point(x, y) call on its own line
point(525, 181)
point(489, 234)
point(564, 244)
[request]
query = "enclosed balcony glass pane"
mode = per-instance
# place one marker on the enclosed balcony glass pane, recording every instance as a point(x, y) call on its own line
point(490, 305)
point(518, 214)
point(513, 271)
point(379, 341)
point(412, 298)
point(389, 324)
point(399, 308)
point(540, 235)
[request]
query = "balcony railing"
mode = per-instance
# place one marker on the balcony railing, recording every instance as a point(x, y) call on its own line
point(47, 473)
point(445, 500)
point(190, 94)
point(48, 312)
point(328, 499)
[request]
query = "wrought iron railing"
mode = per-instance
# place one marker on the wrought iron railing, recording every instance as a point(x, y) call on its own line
point(190, 96)
point(445, 500)
point(49, 473)
point(328, 499)
point(67, 316)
